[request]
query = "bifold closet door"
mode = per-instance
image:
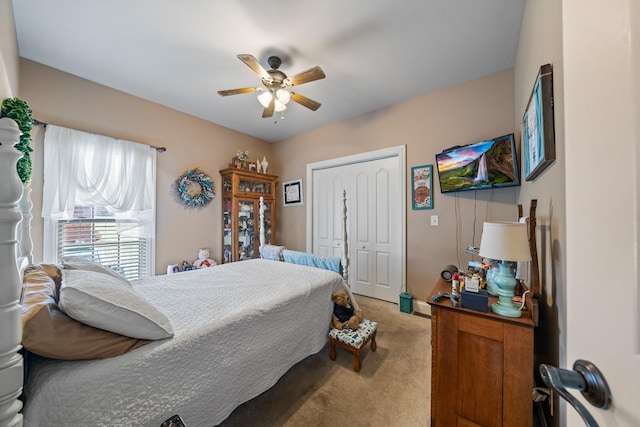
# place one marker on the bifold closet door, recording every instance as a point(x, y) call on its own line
point(374, 200)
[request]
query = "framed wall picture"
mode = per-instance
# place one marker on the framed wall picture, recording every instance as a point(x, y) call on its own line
point(421, 187)
point(292, 192)
point(538, 134)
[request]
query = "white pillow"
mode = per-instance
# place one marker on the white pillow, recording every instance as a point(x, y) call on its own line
point(104, 302)
point(80, 263)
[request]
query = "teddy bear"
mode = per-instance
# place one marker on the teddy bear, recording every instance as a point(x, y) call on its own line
point(344, 315)
point(203, 260)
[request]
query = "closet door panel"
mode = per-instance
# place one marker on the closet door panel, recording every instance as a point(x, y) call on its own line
point(386, 228)
point(328, 185)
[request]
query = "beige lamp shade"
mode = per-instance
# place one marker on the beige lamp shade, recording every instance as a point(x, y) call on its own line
point(505, 241)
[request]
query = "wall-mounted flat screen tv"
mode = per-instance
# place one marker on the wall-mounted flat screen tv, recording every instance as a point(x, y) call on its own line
point(483, 165)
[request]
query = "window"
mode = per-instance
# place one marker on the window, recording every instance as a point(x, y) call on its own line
point(93, 233)
point(99, 201)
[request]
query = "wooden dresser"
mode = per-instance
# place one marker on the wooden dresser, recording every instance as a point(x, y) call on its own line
point(481, 366)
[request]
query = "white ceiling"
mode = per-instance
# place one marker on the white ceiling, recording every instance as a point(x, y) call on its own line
point(179, 53)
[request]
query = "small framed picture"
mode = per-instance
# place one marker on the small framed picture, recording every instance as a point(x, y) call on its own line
point(253, 167)
point(421, 187)
point(292, 192)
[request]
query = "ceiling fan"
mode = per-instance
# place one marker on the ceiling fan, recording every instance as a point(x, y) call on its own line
point(275, 95)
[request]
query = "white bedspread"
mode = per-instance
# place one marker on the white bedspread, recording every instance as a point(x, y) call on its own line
point(238, 328)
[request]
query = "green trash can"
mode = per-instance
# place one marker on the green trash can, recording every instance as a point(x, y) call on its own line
point(406, 302)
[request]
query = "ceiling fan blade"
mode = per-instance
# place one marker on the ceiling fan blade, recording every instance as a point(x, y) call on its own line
point(303, 100)
point(236, 91)
point(268, 112)
point(310, 75)
point(255, 66)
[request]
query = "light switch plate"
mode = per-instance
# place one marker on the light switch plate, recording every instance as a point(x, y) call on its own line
point(434, 220)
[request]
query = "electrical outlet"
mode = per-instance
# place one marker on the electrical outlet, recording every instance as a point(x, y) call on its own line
point(434, 220)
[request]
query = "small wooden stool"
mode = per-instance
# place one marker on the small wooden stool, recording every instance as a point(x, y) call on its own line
point(353, 340)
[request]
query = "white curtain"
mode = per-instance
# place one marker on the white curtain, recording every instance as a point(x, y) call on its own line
point(85, 168)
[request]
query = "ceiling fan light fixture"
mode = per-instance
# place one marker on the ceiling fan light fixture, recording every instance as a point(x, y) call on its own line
point(279, 106)
point(265, 98)
point(283, 96)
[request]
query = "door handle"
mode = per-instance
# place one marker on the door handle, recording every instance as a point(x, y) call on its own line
point(585, 377)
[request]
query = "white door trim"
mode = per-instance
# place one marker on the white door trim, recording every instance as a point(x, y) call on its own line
point(397, 151)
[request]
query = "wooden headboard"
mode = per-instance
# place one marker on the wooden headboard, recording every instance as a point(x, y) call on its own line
point(11, 361)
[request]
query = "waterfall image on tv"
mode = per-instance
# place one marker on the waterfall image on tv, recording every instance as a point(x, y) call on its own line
point(486, 164)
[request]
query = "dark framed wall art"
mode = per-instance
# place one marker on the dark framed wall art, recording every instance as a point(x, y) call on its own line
point(422, 187)
point(538, 134)
point(292, 192)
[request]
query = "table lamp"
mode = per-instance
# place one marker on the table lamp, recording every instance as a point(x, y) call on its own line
point(506, 242)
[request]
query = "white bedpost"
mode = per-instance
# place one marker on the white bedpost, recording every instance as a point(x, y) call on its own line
point(345, 243)
point(24, 230)
point(11, 363)
point(261, 219)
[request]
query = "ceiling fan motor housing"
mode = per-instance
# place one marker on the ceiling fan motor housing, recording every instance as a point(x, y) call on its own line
point(274, 62)
point(278, 78)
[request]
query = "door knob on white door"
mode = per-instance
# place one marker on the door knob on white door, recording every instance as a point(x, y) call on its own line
point(585, 377)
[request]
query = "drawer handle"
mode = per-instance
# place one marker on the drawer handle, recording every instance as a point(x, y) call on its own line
point(585, 377)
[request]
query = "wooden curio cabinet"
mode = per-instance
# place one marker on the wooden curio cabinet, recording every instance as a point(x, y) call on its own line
point(241, 192)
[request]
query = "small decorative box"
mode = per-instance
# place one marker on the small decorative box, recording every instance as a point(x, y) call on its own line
point(475, 301)
point(406, 302)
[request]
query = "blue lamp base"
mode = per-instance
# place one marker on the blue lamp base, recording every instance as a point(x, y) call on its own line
point(506, 285)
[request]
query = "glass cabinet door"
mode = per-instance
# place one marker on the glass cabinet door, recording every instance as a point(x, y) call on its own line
point(254, 186)
point(246, 230)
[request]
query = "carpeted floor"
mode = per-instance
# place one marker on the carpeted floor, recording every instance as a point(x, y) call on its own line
point(393, 387)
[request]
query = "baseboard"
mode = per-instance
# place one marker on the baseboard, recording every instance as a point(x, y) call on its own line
point(421, 307)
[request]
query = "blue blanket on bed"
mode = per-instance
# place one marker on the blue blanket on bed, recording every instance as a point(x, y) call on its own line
point(305, 258)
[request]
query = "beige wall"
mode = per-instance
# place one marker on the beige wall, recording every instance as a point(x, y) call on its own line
point(9, 58)
point(426, 124)
point(65, 100)
point(541, 43)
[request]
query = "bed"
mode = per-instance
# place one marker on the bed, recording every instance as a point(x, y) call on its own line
point(251, 321)
point(237, 328)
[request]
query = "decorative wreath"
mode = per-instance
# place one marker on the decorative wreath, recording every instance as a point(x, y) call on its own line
point(194, 189)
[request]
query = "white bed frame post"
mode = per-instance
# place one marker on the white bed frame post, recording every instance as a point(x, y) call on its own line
point(261, 224)
point(11, 363)
point(345, 238)
point(24, 230)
